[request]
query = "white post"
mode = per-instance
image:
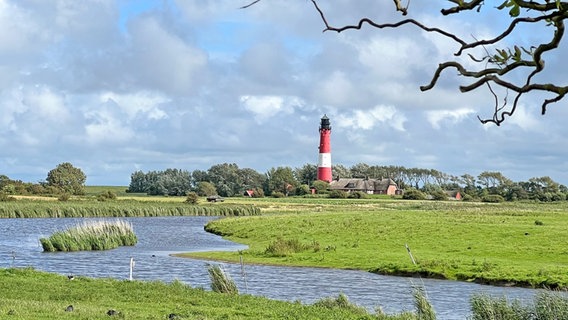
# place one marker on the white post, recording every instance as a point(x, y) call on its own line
point(131, 268)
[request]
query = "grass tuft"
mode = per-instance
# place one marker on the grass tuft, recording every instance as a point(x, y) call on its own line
point(221, 282)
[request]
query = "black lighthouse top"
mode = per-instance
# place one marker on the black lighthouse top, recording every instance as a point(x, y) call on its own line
point(324, 125)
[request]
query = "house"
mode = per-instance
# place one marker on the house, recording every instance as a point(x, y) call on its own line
point(454, 195)
point(370, 186)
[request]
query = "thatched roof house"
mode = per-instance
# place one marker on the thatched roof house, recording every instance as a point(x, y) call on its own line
point(370, 186)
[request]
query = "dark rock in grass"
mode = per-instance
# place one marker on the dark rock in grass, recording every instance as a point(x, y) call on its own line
point(173, 316)
point(69, 308)
point(112, 312)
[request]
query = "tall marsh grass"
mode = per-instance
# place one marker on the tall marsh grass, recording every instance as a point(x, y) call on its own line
point(547, 305)
point(91, 235)
point(118, 208)
point(221, 282)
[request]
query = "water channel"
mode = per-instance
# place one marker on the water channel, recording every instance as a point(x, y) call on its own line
point(159, 237)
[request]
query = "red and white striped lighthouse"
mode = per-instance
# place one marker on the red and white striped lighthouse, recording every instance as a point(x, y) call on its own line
point(324, 163)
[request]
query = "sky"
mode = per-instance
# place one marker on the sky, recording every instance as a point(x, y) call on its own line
point(118, 86)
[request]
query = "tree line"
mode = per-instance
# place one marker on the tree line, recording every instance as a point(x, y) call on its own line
point(228, 180)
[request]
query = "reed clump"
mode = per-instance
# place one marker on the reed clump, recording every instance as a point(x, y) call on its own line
point(221, 282)
point(546, 305)
point(91, 235)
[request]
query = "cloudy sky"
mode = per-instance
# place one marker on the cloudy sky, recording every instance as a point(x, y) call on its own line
point(116, 86)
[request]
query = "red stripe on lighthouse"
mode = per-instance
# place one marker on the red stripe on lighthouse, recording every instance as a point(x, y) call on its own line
point(324, 161)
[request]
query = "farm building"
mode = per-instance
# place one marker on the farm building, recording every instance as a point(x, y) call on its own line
point(370, 186)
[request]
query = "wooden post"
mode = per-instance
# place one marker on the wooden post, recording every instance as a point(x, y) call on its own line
point(410, 254)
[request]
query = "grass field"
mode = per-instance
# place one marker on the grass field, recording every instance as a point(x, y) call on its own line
point(522, 244)
point(29, 294)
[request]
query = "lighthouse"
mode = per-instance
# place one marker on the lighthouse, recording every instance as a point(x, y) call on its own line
point(324, 163)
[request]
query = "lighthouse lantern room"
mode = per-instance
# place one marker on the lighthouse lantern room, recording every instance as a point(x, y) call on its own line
point(324, 163)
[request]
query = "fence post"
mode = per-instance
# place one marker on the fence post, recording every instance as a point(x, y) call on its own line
point(131, 268)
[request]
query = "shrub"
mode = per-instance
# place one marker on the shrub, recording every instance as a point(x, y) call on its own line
point(5, 197)
point(358, 195)
point(283, 248)
point(467, 197)
point(258, 193)
point(414, 194)
point(341, 302)
point(338, 194)
point(221, 282)
point(64, 197)
point(492, 198)
point(192, 198)
point(439, 195)
point(278, 194)
point(106, 195)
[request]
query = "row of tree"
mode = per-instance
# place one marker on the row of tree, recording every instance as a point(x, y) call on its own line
point(229, 180)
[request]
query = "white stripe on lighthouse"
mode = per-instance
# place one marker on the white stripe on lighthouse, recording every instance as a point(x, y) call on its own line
point(324, 160)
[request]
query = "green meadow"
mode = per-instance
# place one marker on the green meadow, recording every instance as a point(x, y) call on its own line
point(520, 244)
point(29, 294)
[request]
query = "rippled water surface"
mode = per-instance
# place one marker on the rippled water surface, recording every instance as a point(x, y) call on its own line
point(160, 236)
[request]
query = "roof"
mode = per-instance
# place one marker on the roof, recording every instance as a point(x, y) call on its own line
point(360, 184)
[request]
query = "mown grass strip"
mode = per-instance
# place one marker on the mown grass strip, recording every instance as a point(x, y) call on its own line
point(91, 235)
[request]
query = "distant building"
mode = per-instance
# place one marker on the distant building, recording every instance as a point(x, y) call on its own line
point(370, 186)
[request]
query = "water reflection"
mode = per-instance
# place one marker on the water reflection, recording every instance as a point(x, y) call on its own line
point(160, 236)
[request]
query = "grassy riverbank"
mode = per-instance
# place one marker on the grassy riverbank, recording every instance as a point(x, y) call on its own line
point(505, 244)
point(29, 294)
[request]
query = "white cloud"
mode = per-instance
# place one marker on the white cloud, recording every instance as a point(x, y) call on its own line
point(526, 119)
point(266, 107)
point(436, 117)
point(105, 127)
point(144, 102)
point(368, 119)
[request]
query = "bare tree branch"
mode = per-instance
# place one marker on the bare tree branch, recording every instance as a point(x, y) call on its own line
point(552, 13)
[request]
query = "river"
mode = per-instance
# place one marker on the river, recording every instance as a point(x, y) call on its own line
point(159, 237)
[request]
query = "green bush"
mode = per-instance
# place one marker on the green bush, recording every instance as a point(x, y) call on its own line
point(358, 195)
point(106, 195)
point(283, 248)
point(439, 195)
point(5, 197)
point(414, 194)
point(64, 197)
point(278, 194)
point(192, 198)
point(341, 302)
point(338, 194)
point(492, 198)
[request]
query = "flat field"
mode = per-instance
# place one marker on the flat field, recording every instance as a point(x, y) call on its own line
point(520, 243)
